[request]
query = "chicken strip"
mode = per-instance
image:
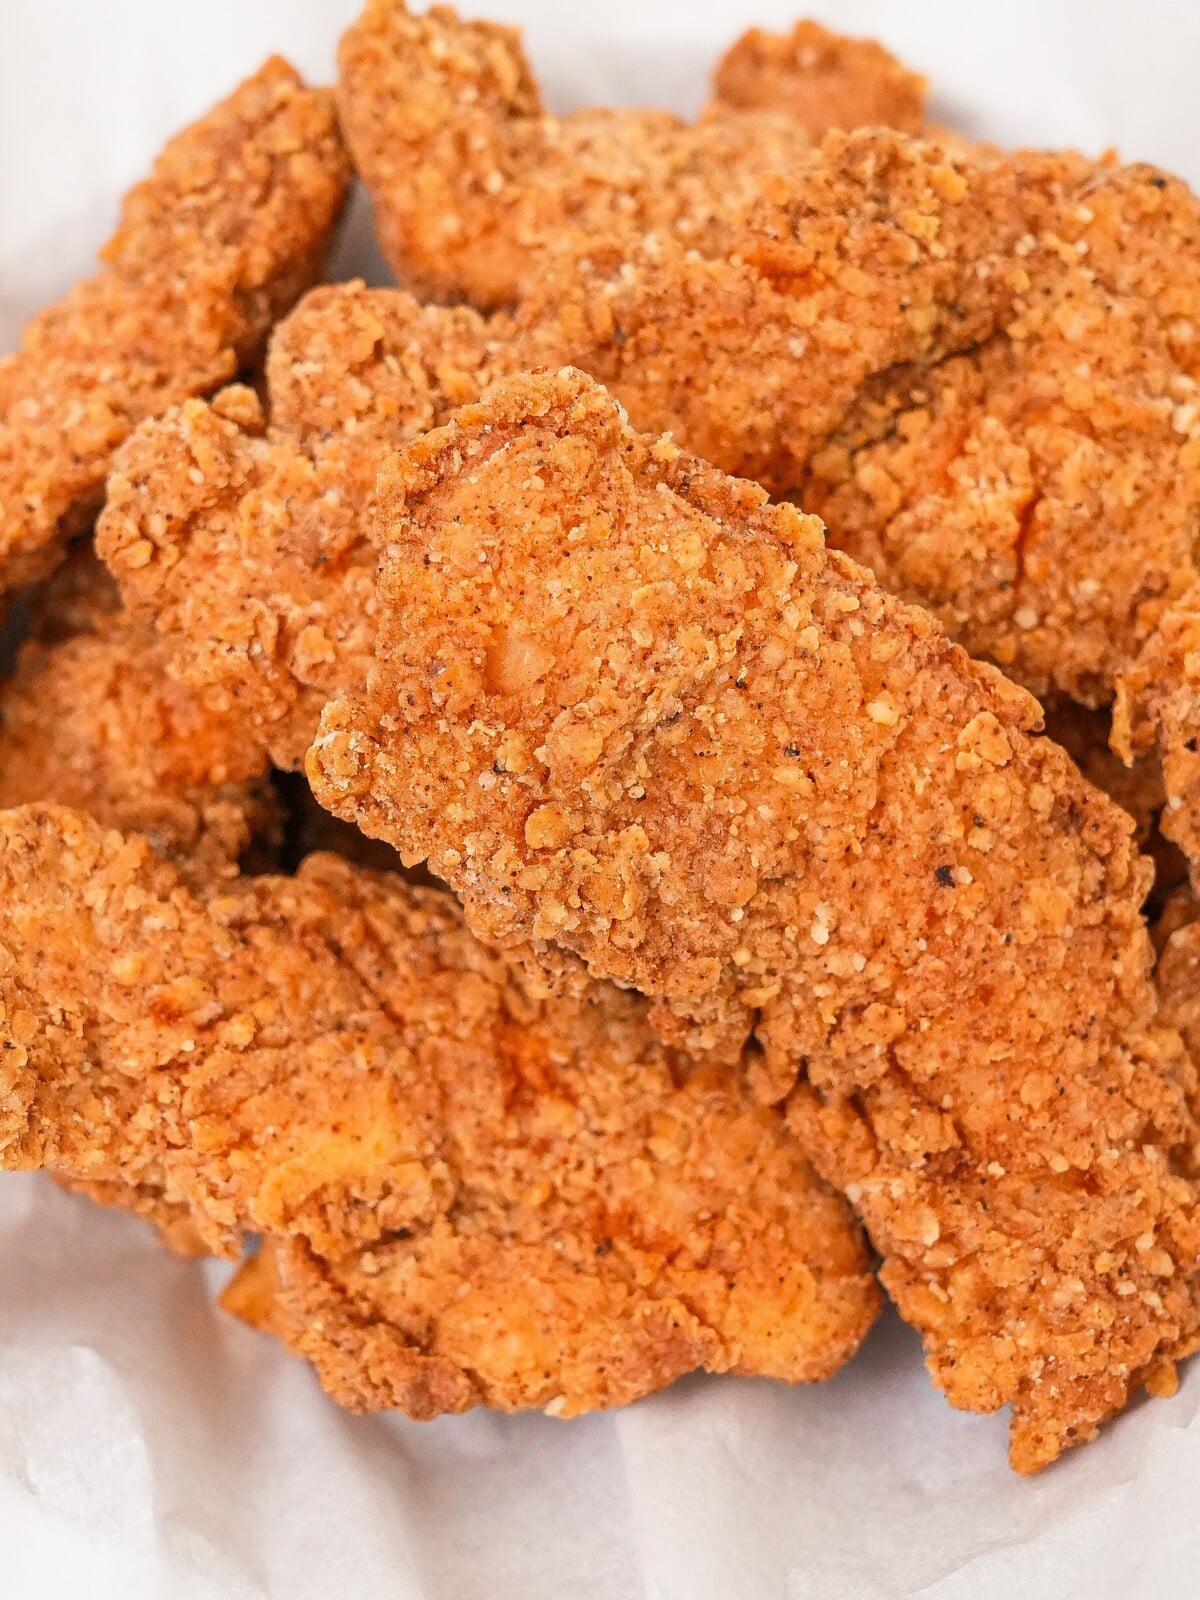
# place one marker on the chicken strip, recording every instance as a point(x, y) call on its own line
point(982, 374)
point(226, 233)
point(875, 253)
point(246, 546)
point(251, 553)
point(494, 1199)
point(474, 182)
point(822, 79)
point(96, 723)
point(622, 705)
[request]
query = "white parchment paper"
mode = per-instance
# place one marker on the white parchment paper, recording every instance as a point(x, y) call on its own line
point(150, 1446)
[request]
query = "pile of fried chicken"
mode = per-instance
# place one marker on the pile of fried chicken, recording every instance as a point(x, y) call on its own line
point(580, 813)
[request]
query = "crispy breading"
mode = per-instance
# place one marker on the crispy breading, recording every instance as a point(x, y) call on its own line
point(247, 547)
point(822, 79)
point(474, 182)
point(96, 723)
point(875, 252)
point(226, 233)
point(622, 704)
point(1039, 492)
point(499, 1200)
point(982, 374)
point(251, 555)
point(91, 719)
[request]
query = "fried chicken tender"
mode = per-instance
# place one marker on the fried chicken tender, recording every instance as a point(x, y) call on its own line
point(493, 1199)
point(250, 552)
point(227, 232)
point(91, 720)
point(623, 705)
point(822, 79)
point(876, 252)
point(246, 546)
point(474, 183)
point(981, 373)
point(1039, 492)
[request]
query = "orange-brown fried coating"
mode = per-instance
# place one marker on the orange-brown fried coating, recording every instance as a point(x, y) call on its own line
point(822, 79)
point(981, 373)
point(474, 183)
point(623, 705)
point(96, 723)
point(90, 719)
point(1039, 492)
point(227, 232)
point(246, 546)
point(492, 1199)
point(874, 253)
point(249, 552)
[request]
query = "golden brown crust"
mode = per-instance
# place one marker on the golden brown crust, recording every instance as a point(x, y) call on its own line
point(248, 559)
point(94, 721)
point(474, 182)
point(472, 1196)
point(1039, 492)
point(874, 252)
point(981, 372)
point(821, 79)
point(247, 547)
point(621, 704)
point(229, 229)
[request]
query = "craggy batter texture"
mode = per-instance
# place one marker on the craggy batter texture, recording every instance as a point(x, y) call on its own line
point(823, 80)
point(973, 368)
point(625, 707)
point(227, 232)
point(875, 253)
point(474, 182)
point(246, 545)
point(470, 1196)
point(91, 719)
point(980, 372)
